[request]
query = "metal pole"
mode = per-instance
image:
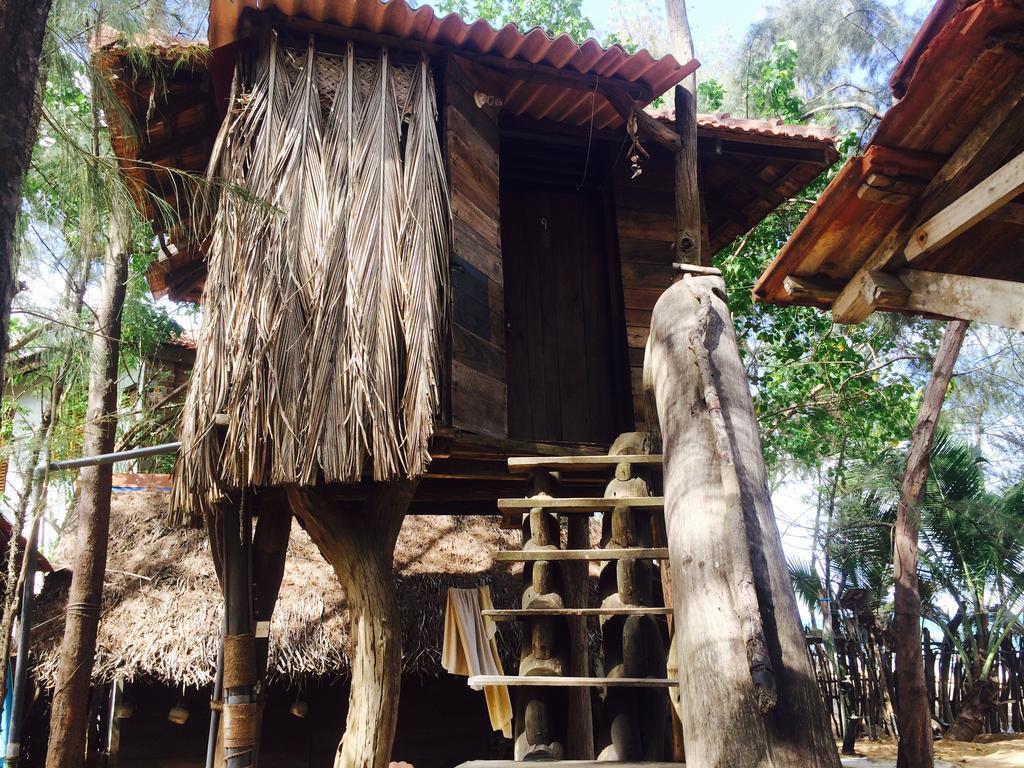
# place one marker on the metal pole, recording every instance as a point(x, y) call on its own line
point(28, 592)
point(18, 704)
point(218, 696)
point(238, 609)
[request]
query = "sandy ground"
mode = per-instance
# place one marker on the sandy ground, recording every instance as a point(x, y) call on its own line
point(987, 752)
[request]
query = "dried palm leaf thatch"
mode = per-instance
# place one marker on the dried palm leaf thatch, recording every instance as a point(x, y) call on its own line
point(324, 301)
point(423, 245)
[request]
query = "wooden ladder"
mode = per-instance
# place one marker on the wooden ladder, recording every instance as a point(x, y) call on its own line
point(553, 690)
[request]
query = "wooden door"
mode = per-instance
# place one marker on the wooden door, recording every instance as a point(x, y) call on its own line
point(559, 341)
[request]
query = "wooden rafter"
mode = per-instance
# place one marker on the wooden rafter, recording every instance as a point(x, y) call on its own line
point(962, 214)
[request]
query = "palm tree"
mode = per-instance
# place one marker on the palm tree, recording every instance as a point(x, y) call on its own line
point(972, 565)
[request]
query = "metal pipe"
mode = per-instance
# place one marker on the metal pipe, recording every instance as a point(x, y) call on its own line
point(18, 704)
point(218, 696)
point(28, 591)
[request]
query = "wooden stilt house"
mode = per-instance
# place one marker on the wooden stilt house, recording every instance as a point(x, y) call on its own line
point(435, 247)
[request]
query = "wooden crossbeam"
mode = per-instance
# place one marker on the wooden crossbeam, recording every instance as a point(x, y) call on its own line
point(580, 463)
point(962, 214)
point(1001, 128)
point(531, 555)
point(981, 299)
point(567, 764)
point(529, 613)
point(580, 504)
point(549, 681)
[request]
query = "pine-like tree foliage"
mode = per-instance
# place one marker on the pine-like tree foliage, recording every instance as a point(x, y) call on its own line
point(324, 302)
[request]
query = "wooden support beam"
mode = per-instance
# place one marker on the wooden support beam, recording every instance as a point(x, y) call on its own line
point(550, 681)
point(996, 302)
point(810, 290)
point(532, 555)
point(748, 177)
point(864, 293)
point(687, 188)
point(581, 504)
point(985, 148)
point(962, 214)
point(580, 463)
point(526, 613)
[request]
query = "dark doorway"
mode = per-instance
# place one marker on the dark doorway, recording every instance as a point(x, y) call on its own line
point(560, 345)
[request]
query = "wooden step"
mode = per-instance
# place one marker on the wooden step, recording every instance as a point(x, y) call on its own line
point(588, 505)
point(498, 614)
point(580, 463)
point(554, 681)
point(567, 764)
point(529, 555)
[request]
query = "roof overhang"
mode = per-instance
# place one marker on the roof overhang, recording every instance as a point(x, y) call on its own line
point(929, 220)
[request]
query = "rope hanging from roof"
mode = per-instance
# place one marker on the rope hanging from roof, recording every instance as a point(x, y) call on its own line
point(323, 312)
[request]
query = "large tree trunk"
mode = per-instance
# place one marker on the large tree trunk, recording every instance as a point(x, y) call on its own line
point(749, 695)
point(360, 546)
point(68, 720)
point(22, 28)
point(912, 710)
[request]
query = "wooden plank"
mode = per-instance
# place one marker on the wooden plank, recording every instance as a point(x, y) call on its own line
point(868, 291)
point(580, 463)
point(811, 289)
point(532, 555)
point(962, 214)
point(996, 302)
point(510, 614)
point(567, 764)
point(581, 504)
point(479, 681)
point(479, 354)
point(478, 401)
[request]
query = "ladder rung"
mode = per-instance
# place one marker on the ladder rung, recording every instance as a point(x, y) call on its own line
point(554, 681)
point(528, 555)
point(567, 764)
point(526, 613)
point(579, 463)
point(581, 504)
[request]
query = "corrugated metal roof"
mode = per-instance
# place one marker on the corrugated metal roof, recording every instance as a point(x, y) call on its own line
point(396, 18)
point(951, 82)
point(775, 129)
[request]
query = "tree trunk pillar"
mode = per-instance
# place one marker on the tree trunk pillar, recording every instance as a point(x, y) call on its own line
point(915, 745)
point(749, 695)
point(360, 545)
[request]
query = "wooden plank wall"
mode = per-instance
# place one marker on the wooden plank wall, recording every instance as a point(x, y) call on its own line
point(478, 389)
point(646, 220)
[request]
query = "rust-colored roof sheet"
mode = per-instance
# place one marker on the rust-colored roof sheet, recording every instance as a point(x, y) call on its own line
point(952, 79)
point(764, 129)
point(398, 20)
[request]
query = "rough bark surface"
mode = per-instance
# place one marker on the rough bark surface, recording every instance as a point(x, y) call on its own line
point(360, 546)
point(716, 546)
point(68, 720)
point(22, 28)
point(912, 708)
point(974, 712)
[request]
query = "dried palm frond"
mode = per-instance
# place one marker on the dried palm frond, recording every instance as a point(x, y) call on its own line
point(426, 223)
point(321, 275)
point(373, 248)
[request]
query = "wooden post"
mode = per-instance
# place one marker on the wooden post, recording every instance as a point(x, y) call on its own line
point(687, 189)
point(749, 696)
point(633, 645)
point(580, 736)
point(240, 675)
point(540, 730)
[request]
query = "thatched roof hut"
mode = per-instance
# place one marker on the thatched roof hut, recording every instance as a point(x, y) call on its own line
point(162, 604)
